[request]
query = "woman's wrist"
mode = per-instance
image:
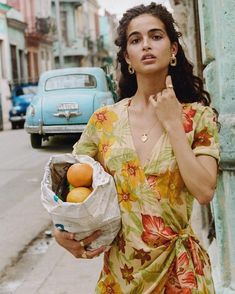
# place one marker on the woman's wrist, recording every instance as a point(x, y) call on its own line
point(173, 126)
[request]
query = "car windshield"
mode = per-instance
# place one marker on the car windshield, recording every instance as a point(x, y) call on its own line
point(72, 81)
point(30, 90)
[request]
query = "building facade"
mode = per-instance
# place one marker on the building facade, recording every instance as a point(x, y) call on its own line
point(108, 50)
point(12, 59)
point(38, 35)
point(70, 46)
point(81, 42)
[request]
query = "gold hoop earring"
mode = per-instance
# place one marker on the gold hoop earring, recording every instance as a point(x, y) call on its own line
point(131, 70)
point(173, 61)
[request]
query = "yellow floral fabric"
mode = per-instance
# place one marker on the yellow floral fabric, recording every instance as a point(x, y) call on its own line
point(156, 250)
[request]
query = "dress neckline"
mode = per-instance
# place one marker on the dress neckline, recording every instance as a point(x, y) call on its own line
point(157, 144)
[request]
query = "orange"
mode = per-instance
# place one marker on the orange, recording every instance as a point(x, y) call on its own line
point(78, 195)
point(80, 175)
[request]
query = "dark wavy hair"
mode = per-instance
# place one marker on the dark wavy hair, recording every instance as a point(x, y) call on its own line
point(187, 86)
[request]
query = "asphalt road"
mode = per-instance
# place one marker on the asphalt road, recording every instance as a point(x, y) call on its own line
point(21, 169)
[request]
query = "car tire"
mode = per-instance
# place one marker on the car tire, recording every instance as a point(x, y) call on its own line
point(14, 125)
point(36, 141)
point(21, 125)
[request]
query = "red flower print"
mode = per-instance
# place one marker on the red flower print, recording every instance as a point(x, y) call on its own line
point(152, 180)
point(121, 243)
point(106, 262)
point(127, 273)
point(188, 114)
point(181, 279)
point(198, 264)
point(186, 278)
point(142, 255)
point(101, 116)
point(155, 232)
point(202, 138)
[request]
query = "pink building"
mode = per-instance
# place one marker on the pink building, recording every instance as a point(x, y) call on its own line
point(39, 41)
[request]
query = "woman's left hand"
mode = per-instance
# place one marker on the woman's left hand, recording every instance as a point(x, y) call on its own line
point(167, 106)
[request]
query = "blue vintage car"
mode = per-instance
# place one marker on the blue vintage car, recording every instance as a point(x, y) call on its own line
point(21, 96)
point(65, 101)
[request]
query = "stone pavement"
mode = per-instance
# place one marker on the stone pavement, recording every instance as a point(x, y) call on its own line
point(58, 272)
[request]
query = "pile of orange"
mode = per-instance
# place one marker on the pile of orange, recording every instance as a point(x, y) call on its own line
point(79, 176)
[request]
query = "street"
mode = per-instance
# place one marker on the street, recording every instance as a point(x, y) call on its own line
point(25, 242)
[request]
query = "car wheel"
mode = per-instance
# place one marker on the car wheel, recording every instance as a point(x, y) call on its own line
point(21, 125)
point(14, 125)
point(36, 141)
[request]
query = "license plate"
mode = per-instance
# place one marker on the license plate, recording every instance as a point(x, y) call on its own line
point(68, 106)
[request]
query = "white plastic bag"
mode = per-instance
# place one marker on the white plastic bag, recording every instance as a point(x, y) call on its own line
point(99, 211)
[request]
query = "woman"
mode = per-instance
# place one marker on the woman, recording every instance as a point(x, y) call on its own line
point(160, 143)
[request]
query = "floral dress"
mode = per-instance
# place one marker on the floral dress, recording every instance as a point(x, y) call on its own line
point(156, 250)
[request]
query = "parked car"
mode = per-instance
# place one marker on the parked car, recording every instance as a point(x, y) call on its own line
point(21, 96)
point(65, 101)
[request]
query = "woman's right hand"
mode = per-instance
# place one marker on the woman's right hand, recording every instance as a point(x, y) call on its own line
point(78, 248)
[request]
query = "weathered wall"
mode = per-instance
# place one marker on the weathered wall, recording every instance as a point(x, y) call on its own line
point(217, 22)
point(217, 35)
point(185, 16)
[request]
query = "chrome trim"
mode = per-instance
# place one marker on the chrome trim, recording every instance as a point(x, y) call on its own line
point(67, 114)
point(17, 118)
point(67, 106)
point(60, 129)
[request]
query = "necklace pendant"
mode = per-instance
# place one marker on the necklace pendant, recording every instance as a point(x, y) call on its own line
point(144, 138)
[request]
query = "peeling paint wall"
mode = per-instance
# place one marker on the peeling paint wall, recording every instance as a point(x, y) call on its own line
point(185, 16)
point(217, 22)
point(217, 37)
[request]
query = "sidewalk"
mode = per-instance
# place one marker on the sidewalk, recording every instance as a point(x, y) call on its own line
point(58, 272)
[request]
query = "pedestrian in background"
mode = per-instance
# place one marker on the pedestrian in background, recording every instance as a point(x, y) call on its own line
point(160, 143)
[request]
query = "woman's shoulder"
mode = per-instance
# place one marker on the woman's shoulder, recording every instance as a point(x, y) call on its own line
point(116, 107)
point(198, 108)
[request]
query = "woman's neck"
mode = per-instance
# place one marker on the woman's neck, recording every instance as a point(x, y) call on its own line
point(148, 85)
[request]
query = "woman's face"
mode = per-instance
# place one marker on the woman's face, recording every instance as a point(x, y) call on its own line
point(149, 49)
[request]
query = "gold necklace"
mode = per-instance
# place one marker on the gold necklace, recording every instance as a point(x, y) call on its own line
point(144, 137)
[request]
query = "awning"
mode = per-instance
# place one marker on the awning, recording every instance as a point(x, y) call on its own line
point(4, 8)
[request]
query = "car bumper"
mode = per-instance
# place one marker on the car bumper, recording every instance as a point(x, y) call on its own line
point(17, 118)
point(43, 130)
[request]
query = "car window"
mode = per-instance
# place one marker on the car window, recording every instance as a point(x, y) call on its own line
point(72, 81)
point(30, 90)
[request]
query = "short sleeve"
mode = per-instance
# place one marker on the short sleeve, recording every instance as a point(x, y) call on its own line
point(88, 142)
point(206, 138)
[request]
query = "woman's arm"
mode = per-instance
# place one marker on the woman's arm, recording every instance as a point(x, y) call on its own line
point(198, 172)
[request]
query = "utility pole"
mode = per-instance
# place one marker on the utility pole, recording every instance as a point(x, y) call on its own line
point(60, 41)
